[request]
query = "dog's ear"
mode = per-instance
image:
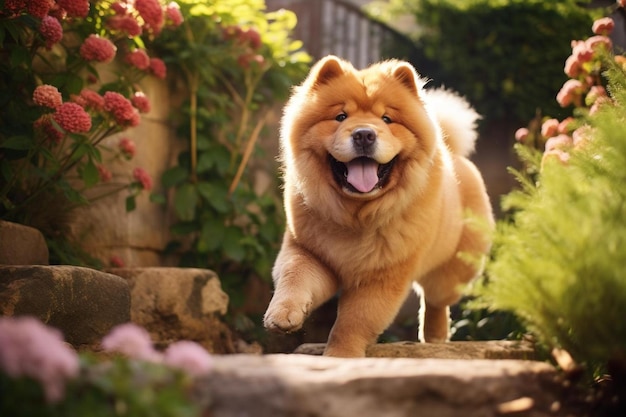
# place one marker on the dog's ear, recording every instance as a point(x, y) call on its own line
point(406, 74)
point(326, 69)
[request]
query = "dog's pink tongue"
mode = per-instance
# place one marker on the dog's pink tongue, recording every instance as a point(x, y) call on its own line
point(363, 174)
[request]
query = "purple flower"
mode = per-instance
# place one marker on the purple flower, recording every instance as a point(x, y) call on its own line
point(30, 349)
point(131, 340)
point(188, 356)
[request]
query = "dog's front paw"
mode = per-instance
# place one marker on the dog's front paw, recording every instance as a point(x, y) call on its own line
point(285, 316)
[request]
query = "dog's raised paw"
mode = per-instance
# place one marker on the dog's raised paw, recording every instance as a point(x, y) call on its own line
point(284, 317)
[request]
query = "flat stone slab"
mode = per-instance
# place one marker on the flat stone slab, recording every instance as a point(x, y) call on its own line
point(302, 385)
point(83, 303)
point(22, 245)
point(492, 349)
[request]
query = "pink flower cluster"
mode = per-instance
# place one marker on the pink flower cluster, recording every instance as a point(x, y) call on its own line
point(583, 90)
point(142, 176)
point(72, 118)
point(47, 96)
point(30, 349)
point(134, 342)
point(121, 109)
point(249, 40)
point(582, 66)
point(136, 17)
point(96, 48)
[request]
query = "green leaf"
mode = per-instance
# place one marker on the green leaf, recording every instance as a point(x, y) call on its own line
point(131, 204)
point(184, 228)
point(185, 201)
point(205, 162)
point(20, 143)
point(174, 176)
point(211, 235)
point(216, 195)
point(89, 174)
point(233, 247)
point(158, 198)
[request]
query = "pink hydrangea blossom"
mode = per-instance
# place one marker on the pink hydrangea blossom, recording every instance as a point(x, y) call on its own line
point(141, 102)
point(14, 6)
point(143, 177)
point(573, 67)
point(599, 41)
point(51, 30)
point(603, 26)
point(173, 14)
point(595, 92)
point(570, 93)
point(72, 118)
point(138, 59)
point(48, 131)
point(90, 100)
point(95, 48)
point(566, 125)
point(549, 128)
point(74, 8)
point(189, 357)
point(151, 13)
point(47, 96)
point(158, 68)
point(521, 134)
point(120, 8)
point(29, 348)
point(127, 148)
point(131, 340)
point(555, 154)
point(121, 109)
point(126, 24)
point(582, 51)
point(104, 173)
point(562, 142)
point(39, 8)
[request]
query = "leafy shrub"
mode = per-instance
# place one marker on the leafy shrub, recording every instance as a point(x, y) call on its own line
point(559, 263)
point(504, 55)
point(236, 63)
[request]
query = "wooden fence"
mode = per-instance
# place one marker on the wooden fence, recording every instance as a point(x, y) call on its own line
point(340, 28)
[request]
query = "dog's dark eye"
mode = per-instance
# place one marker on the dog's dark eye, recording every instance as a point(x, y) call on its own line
point(387, 119)
point(341, 117)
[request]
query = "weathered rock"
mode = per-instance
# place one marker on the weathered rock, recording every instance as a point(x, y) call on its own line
point(179, 303)
point(493, 349)
point(83, 303)
point(21, 245)
point(302, 385)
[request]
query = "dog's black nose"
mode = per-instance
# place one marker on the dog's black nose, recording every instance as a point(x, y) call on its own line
point(363, 138)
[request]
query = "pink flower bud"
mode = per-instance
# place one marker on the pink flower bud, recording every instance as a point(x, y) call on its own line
point(521, 134)
point(549, 128)
point(603, 26)
point(562, 142)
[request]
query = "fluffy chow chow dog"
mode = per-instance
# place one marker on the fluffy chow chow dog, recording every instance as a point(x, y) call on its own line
point(377, 194)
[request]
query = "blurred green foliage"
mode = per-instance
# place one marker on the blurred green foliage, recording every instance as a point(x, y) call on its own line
point(235, 64)
point(505, 56)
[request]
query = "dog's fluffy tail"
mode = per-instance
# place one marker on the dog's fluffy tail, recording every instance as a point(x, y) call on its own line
point(457, 119)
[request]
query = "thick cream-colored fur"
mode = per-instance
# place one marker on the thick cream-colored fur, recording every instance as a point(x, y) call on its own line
point(370, 247)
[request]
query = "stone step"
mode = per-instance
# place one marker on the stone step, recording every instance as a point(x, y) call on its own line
point(492, 349)
point(297, 385)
